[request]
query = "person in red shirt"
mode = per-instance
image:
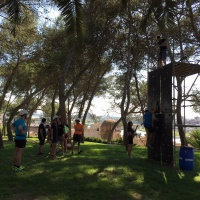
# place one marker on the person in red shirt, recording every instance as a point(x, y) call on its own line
point(79, 128)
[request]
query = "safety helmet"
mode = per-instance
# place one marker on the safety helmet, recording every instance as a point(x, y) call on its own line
point(23, 112)
point(55, 117)
point(77, 119)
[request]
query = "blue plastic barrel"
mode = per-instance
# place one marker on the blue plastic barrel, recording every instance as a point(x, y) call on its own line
point(186, 158)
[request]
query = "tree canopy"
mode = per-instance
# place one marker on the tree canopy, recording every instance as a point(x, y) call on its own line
point(91, 48)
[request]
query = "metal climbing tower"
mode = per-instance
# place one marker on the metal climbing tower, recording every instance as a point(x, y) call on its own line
point(161, 86)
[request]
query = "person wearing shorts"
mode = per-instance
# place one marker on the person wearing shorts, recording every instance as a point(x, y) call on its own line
point(54, 137)
point(20, 129)
point(41, 135)
point(79, 128)
point(48, 135)
point(48, 131)
point(66, 126)
point(61, 135)
point(131, 134)
point(162, 51)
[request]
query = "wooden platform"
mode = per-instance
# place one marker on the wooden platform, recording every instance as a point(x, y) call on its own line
point(181, 69)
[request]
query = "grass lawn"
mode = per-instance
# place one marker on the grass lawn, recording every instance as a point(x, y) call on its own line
point(102, 172)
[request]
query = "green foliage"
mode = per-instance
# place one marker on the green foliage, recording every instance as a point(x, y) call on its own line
point(47, 50)
point(195, 100)
point(164, 13)
point(98, 140)
point(18, 13)
point(194, 138)
point(72, 12)
point(14, 11)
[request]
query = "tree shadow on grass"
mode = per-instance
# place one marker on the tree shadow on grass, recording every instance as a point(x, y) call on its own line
point(166, 182)
point(101, 172)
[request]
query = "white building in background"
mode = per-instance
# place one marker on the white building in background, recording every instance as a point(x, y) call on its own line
point(37, 117)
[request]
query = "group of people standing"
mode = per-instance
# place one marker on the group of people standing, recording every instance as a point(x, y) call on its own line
point(56, 134)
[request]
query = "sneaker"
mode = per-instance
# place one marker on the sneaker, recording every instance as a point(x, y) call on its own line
point(57, 150)
point(80, 152)
point(21, 168)
point(54, 158)
point(18, 169)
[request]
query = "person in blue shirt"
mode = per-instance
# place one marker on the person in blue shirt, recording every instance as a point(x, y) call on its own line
point(149, 128)
point(20, 129)
point(148, 120)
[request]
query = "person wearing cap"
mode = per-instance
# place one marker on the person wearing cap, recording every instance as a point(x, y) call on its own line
point(20, 129)
point(162, 51)
point(79, 128)
point(41, 135)
point(54, 137)
point(61, 134)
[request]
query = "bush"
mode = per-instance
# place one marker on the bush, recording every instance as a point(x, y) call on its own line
point(120, 141)
point(98, 140)
point(194, 138)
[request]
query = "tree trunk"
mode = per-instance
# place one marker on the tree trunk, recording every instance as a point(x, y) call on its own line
point(138, 92)
point(128, 75)
point(93, 94)
point(1, 141)
point(7, 85)
point(91, 97)
point(32, 110)
point(70, 112)
point(53, 103)
point(110, 135)
point(82, 105)
point(62, 96)
point(69, 118)
point(179, 117)
point(62, 107)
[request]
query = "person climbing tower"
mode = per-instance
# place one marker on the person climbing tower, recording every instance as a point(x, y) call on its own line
point(147, 122)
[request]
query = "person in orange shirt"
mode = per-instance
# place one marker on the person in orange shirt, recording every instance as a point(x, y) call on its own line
point(78, 127)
